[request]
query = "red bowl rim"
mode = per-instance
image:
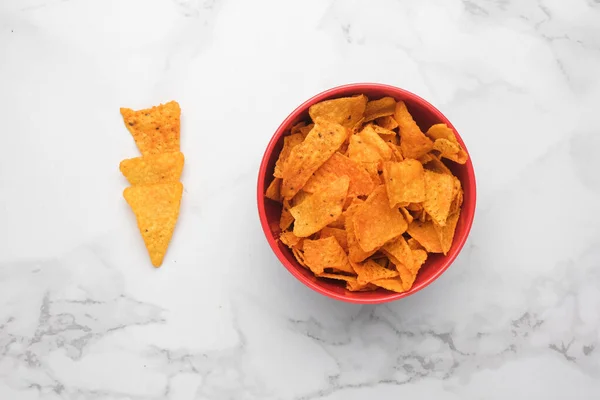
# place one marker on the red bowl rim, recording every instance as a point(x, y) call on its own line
point(339, 91)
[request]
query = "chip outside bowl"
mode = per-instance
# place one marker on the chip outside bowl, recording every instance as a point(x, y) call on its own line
point(269, 211)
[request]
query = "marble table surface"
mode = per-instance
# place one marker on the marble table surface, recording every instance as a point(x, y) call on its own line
point(83, 315)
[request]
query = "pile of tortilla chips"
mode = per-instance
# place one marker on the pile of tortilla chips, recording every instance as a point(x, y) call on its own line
point(155, 191)
point(365, 194)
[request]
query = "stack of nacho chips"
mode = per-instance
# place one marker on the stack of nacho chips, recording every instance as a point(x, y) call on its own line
point(155, 191)
point(365, 194)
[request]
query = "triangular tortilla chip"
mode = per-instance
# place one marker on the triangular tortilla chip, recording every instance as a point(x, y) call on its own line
point(370, 271)
point(413, 142)
point(375, 222)
point(355, 252)
point(346, 111)
point(155, 130)
point(156, 208)
point(304, 159)
point(439, 193)
point(289, 142)
point(446, 143)
point(380, 108)
point(320, 209)
point(338, 165)
point(393, 284)
point(387, 122)
point(404, 181)
point(326, 253)
point(425, 234)
point(446, 233)
point(273, 192)
point(154, 168)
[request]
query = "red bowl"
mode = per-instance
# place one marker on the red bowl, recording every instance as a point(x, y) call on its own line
point(269, 211)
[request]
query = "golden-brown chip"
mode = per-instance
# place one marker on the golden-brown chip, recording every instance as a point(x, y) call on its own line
point(339, 277)
point(286, 218)
point(404, 181)
point(369, 271)
point(392, 284)
point(399, 252)
point(290, 240)
point(296, 128)
point(289, 142)
point(273, 191)
point(407, 215)
point(446, 143)
point(360, 287)
point(320, 209)
point(338, 234)
point(413, 142)
point(439, 191)
point(363, 153)
point(446, 233)
point(369, 136)
point(346, 111)
point(299, 256)
point(375, 222)
point(325, 253)
point(413, 244)
point(425, 234)
point(304, 159)
point(156, 208)
point(380, 108)
point(457, 197)
point(434, 164)
point(155, 130)
point(355, 252)
point(154, 168)
point(387, 135)
point(305, 130)
point(339, 165)
point(387, 122)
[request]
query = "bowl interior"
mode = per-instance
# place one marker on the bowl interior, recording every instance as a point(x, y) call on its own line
point(425, 115)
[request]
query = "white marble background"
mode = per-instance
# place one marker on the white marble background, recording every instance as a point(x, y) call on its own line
point(83, 315)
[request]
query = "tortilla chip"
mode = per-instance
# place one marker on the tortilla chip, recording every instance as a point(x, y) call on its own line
point(425, 234)
point(286, 218)
point(375, 222)
point(289, 142)
point(289, 239)
point(154, 168)
point(404, 181)
point(399, 252)
point(339, 165)
point(392, 284)
point(387, 122)
point(446, 143)
point(320, 209)
point(407, 215)
point(299, 256)
point(458, 197)
point(338, 234)
point(413, 142)
point(346, 111)
point(439, 191)
point(304, 159)
point(370, 271)
point(434, 164)
point(360, 287)
point(362, 153)
point(372, 138)
point(379, 108)
point(156, 208)
point(339, 277)
point(355, 252)
point(273, 191)
point(385, 134)
point(419, 256)
point(446, 233)
point(155, 130)
point(326, 253)
point(305, 130)
point(297, 127)
point(414, 245)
